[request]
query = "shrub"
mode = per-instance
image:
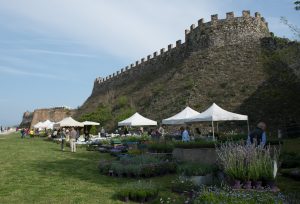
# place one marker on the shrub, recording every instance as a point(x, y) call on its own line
point(161, 147)
point(237, 137)
point(196, 144)
point(139, 166)
point(183, 185)
point(195, 169)
point(290, 160)
point(140, 191)
point(138, 139)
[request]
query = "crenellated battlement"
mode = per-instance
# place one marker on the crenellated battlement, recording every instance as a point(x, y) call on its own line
point(215, 33)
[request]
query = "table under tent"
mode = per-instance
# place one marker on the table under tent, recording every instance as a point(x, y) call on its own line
point(215, 114)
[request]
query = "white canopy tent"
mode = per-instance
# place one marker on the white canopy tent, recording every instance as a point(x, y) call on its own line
point(38, 125)
point(216, 113)
point(48, 124)
point(90, 123)
point(137, 120)
point(180, 118)
point(68, 122)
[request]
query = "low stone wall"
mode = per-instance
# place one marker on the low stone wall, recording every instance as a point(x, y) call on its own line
point(203, 155)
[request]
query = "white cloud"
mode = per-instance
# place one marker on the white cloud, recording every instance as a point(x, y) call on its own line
point(71, 54)
point(14, 71)
point(124, 28)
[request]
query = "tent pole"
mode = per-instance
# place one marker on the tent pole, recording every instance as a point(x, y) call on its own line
point(248, 126)
point(217, 127)
point(213, 131)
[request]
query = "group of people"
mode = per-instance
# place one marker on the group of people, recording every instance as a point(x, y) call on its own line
point(29, 132)
point(71, 135)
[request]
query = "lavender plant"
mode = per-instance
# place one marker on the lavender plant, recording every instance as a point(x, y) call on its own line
point(247, 162)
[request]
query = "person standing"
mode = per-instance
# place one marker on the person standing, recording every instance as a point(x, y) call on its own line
point(258, 136)
point(86, 135)
point(63, 138)
point(102, 132)
point(185, 134)
point(22, 133)
point(73, 135)
point(161, 132)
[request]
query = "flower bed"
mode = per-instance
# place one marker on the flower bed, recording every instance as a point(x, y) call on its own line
point(215, 196)
point(137, 166)
point(160, 147)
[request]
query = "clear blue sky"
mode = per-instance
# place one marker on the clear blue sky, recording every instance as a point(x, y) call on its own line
point(52, 50)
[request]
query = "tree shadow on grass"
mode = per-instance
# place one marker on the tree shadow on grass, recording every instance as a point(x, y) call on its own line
point(82, 166)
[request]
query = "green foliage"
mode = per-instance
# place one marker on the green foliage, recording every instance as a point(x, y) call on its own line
point(157, 89)
point(183, 184)
point(124, 113)
point(196, 144)
point(102, 114)
point(196, 169)
point(122, 101)
point(216, 196)
point(137, 139)
point(247, 162)
point(140, 191)
point(161, 147)
point(290, 160)
point(93, 130)
point(138, 166)
point(236, 137)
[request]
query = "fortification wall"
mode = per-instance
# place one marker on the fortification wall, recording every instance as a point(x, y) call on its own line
point(216, 33)
point(40, 115)
point(52, 114)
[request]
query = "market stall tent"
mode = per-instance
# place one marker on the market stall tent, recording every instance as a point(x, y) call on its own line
point(216, 113)
point(137, 120)
point(180, 118)
point(86, 123)
point(38, 125)
point(68, 122)
point(48, 124)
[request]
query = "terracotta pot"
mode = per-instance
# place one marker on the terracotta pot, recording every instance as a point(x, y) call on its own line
point(247, 185)
point(257, 185)
point(237, 184)
point(272, 185)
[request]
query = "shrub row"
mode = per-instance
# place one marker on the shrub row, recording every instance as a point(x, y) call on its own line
point(140, 191)
point(161, 147)
point(137, 166)
point(196, 169)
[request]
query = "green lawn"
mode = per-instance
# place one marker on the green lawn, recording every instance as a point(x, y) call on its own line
point(36, 171)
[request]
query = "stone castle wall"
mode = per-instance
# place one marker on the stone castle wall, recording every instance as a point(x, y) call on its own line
point(216, 33)
point(40, 115)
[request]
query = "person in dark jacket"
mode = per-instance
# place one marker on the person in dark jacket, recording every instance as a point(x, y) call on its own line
point(258, 135)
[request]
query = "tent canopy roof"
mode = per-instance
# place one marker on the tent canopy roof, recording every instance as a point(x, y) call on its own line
point(90, 123)
point(38, 125)
point(181, 117)
point(216, 113)
point(68, 122)
point(137, 120)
